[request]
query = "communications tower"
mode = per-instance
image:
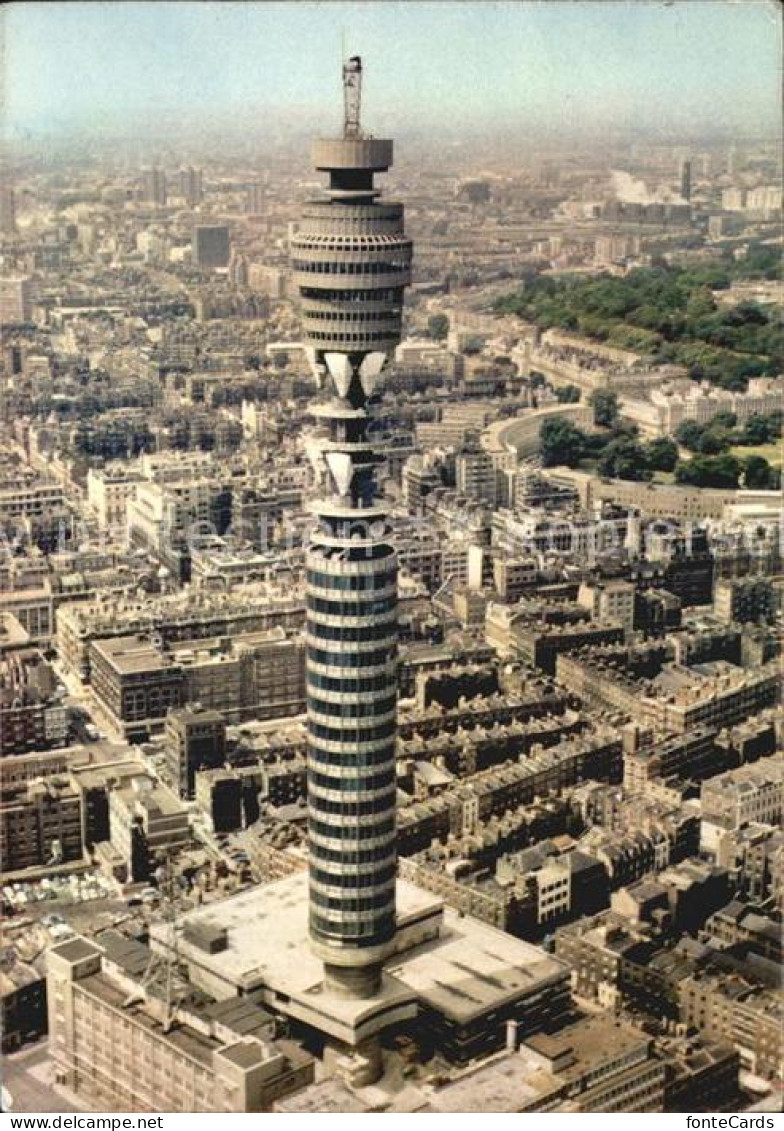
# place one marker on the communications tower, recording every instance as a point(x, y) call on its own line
point(351, 262)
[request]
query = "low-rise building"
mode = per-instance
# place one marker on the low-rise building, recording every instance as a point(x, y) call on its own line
point(594, 1064)
point(733, 1010)
point(40, 825)
point(195, 740)
point(138, 681)
point(742, 599)
point(113, 1044)
point(146, 823)
point(23, 1014)
point(750, 794)
point(741, 922)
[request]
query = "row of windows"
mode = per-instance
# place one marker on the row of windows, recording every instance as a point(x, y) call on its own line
point(357, 608)
point(368, 903)
point(351, 583)
point(353, 785)
point(349, 684)
point(369, 933)
point(354, 316)
point(373, 658)
point(354, 832)
point(371, 880)
point(337, 240)
point(365, 710)
point(342, 233)
point(353, 734)
point(355, 339)
point(378, 295)
point(369, 760)
point(392, 267)
point(353, 856)
point(352, 634)
point(354, 808)
point(142, 704)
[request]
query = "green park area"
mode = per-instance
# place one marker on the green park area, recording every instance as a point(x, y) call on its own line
point(770, 452)
point(722, 453)
point(668, 313)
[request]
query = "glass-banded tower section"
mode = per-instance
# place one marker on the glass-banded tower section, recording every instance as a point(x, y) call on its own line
point(351, 261)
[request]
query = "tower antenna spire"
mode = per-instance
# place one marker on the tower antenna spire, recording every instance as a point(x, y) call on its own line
point(352, 96)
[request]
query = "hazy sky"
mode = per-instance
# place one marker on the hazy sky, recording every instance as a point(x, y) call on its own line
point(578, 62)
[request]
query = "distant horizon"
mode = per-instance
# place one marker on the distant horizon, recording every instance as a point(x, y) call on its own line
point(689, 68)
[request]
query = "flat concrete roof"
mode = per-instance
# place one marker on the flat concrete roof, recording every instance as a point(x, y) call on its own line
point(131, 654)
point(196, 1045)
point(267, 932)
point(516, 1079)
point(469, 969)
point(506, 1085)
point(474, 967)
point(327, 1095)
point(76, 949)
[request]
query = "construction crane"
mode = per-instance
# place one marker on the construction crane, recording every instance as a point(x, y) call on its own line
point(352, 96)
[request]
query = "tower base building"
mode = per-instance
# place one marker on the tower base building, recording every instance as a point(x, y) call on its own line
point(449, 981)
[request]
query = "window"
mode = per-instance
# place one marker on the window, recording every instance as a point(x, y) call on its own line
point(353, 785)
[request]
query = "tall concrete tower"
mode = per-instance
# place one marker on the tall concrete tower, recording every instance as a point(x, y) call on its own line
point(351, 262)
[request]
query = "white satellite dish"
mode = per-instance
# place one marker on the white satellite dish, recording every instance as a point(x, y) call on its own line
point(370, 372)
point(339, 367)
point(342, 468)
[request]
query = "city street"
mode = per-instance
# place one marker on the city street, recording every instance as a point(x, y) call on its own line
point(28, 1076)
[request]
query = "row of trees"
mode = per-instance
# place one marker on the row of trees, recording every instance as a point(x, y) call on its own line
point(666, 312)
point(620, 454)
point(722, 433)
point(754, 472)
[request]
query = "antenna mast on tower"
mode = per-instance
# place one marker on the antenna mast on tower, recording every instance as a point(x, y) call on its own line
point(352, 96)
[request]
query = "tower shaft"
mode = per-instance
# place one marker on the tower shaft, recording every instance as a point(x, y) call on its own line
point(351, 262)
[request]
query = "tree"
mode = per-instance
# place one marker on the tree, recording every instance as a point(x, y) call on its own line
point(761, 429)
point(568, 394)
point(700, 304)
point(561, 443)
point(473, 346)
point(438, 327)
point(662, 454)
point(666, 311)
point(605, 407)
point(713, 441)
point(689, 434)
point(760, 262)
point(709, 471)
point(623, 458)
point(632, 338)
point(758, 474)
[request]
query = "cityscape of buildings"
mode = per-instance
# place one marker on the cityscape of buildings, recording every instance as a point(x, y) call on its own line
point(391, 625)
